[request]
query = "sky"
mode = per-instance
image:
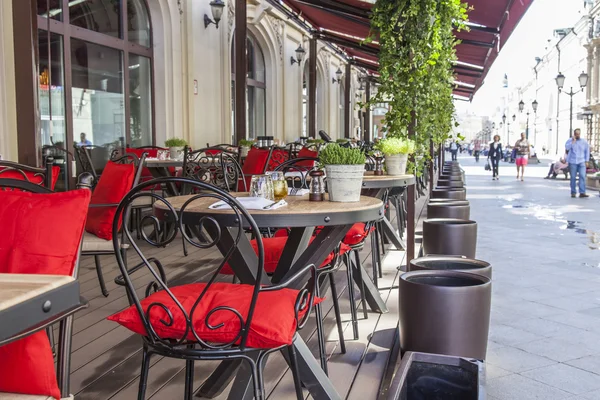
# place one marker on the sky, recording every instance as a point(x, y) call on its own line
point(517, 57)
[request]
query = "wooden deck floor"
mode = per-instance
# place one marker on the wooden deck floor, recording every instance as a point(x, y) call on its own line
point(106, 357)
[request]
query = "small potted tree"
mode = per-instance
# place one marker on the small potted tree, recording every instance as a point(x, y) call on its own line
point(176, 146)
point(344, 168)
point(245, 146)
point(396, 151)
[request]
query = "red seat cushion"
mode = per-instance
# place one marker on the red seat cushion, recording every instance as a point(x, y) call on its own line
point(31, 176)
point(274, 249)
point(254, 164)
point(115, 182)
point(273, 323)
point(356, 234)
point(28, 247)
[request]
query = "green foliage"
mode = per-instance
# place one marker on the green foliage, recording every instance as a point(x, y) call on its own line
point(334, 154)
point(417, 50)
point(245, 143)
point(175, 142)
point(394, 145)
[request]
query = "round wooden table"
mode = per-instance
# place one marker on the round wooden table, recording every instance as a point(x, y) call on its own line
point(372, 181)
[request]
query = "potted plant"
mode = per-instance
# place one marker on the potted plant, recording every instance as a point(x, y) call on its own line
point(245, 146)
point(344, 168)
point(396, 151)
point(176, 146)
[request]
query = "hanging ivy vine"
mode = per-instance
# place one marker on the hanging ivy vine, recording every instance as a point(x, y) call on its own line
point(417, 50)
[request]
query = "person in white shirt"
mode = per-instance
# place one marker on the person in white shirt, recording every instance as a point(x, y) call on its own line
point(454, 150)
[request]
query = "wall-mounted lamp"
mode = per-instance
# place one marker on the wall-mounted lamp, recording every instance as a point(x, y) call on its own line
point(300, 52)
point(338, 76)
point(216, 8)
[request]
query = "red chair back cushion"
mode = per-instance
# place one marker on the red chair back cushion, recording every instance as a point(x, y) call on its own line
point(41, 235)
point(305, 152)
point(255, 164)
point(273, 323)
point(278, 157)
point(31, 176)
point(116, 180)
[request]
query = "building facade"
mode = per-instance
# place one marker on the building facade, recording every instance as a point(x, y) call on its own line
point(137, 72)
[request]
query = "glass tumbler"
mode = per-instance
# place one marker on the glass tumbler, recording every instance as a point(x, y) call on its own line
point(262, 186)
point(280, 186)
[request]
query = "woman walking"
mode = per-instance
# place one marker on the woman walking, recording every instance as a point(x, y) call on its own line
point(523, 150)
point(495, 155)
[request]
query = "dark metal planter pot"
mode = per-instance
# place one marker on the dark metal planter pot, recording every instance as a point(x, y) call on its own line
point(451, 263)
point(456, 177)
point(434, 376)
point(447, 183)
point(455, 209)
point(454, 237)
point(445, 312)
point(449, 193)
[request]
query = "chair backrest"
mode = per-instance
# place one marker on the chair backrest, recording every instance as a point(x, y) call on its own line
point(46, 176)
point(278, 156)
point(296, 171)
point(217, 148)
point(220, 169)
point(242, 318)
point(84, 160)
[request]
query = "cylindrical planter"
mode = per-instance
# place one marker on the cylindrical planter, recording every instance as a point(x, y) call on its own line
point(244, 150)
point(449, 193)
point(396, 164)
point(448, 183)
point(456, 177)
point(176, 153)
point(453, 237)
point(445, 312)
point(451, 263)
point(455, 209)
point(344, 182)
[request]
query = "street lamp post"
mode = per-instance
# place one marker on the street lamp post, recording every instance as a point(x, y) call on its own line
point(505, 126)
point(560, 82)
point(534, 105)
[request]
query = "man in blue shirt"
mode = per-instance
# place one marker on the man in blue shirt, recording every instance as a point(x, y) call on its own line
point(578, 155)
point(83, 141)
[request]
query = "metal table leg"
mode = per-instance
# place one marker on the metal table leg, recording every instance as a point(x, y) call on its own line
point(372, 296)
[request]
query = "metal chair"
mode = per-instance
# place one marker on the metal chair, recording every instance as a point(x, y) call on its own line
point(65, 321)
point(92, 244)
point(220, 169)
point(201, 336)
point(296, 171)
point(39, 176)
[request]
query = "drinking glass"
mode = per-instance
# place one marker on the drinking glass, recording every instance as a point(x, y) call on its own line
point(280, 186)
point(162, 154)
point(262, 186)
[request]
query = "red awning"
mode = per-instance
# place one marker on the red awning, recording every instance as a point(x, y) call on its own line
point(346, 24)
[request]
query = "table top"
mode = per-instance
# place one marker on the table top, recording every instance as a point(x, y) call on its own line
point(299, 211)
point(153, 163)
point(19, 288)
point(372, 181)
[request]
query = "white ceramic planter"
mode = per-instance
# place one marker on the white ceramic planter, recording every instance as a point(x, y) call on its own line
point(176, 153)
point(344, 182)
point(244, 150)
point(396, 164)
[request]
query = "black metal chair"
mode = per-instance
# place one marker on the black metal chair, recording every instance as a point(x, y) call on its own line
point(297, 170)
point(220, 169)
point(94, 245)
point(65, 321)
point(38, 176)
point(200, 335)
point(61, 158)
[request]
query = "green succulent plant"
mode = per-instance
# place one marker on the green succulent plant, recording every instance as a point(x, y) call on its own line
point(334, 154)
point(175, 142)
point(393, 145)
point(246, 143)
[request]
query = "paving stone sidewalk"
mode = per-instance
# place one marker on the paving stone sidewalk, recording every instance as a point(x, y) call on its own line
point(544, 338)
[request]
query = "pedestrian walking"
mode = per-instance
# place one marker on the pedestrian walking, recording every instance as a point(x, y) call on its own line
point(578, 155)
point(454, 150)
point(523, 150)
point(477, 150)
point(495, 155)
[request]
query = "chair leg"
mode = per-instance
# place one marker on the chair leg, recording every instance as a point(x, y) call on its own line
point(362, 286)
point(50, 333)
point(295, 372)
point(256, 380)
point(338, 316)
point(144, 373)
point(100, 276)
point(63, 362)
point(380, 240)
point(189, 380)
point(374, 254)
point(320, 333)
point(353, 312)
